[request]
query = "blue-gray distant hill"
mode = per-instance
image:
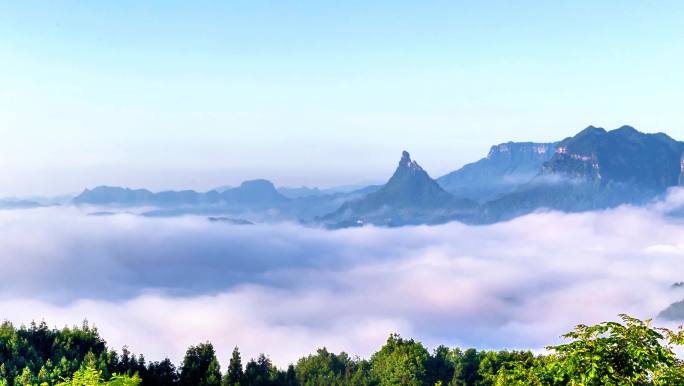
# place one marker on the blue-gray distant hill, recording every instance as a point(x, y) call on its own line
point(19, 204)
point(250, 194)
point(308, 192)
point(258, 200)
point(506, 167)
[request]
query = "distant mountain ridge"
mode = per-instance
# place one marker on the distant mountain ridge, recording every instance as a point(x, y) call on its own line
point(307, 192)
point(593, 169)
point(251, 193)
point(258, 200)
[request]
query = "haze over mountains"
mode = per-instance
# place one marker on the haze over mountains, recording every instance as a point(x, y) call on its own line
point(507, 166)
point(409, 197)
point(597, 169)
point(594, 169)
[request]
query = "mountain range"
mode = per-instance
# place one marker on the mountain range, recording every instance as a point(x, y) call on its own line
point(593, 169)
point(596, 169)
point(249, 194)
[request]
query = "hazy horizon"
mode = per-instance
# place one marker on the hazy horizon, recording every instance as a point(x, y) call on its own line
point(206, 180)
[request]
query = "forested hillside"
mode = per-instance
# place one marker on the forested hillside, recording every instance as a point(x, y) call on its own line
point(628, 353)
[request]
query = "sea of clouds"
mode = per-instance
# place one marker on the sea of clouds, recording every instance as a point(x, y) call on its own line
point(159, 285)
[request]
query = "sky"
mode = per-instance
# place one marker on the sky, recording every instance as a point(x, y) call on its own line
point(170, 95)
point(159, 285)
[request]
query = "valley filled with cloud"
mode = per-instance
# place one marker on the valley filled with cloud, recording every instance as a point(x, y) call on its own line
point(159, 285)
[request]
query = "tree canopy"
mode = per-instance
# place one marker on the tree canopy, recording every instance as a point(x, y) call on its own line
point(627, 352)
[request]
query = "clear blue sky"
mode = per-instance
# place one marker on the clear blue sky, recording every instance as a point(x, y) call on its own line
point(198, 94)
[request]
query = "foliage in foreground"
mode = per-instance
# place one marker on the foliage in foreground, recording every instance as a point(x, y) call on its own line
point(609, 353)
point(89, 376)
point(630, 352)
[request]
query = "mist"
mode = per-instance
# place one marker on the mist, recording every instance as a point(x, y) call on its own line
point(159, 285)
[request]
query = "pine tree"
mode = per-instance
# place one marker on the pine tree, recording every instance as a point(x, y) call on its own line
point(291, 376)
point(234, 374)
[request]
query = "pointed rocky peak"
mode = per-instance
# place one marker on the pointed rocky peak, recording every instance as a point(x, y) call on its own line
point(408, 163)
point(410, 184)
point(410, 196)
point(408, 170)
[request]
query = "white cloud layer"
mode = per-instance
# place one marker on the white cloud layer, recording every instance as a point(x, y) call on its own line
point(160, 285)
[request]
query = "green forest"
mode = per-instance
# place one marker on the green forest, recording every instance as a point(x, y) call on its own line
point(629, 352)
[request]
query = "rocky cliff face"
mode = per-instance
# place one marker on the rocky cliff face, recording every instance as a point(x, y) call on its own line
point(596, 169)
point(620, 156)
point(507, 166)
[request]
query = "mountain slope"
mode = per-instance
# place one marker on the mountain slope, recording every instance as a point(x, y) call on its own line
point(507, 166)
point(674, 312)
point(410, 196)
point(597, 169)
point(624, 155)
